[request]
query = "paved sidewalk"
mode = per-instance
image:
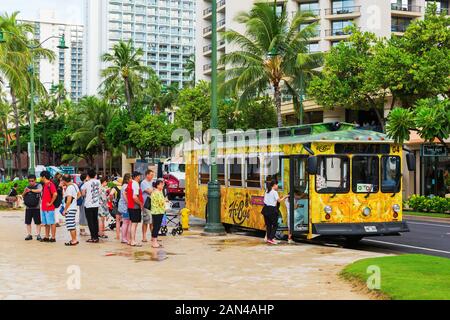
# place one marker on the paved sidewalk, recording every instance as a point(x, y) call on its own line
point(188, 267)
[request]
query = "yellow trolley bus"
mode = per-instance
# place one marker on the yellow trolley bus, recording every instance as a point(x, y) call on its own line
point(341, 180)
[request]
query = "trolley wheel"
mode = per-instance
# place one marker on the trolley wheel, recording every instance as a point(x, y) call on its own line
point(352, 240)
point(180, 231)
point(174, 232)
point(164, 229)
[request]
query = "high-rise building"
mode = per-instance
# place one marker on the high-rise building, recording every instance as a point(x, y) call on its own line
point(382, 17)
point(68, 64)
point(164, 29)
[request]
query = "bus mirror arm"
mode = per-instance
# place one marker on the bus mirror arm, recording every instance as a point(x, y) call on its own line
point(308, 149)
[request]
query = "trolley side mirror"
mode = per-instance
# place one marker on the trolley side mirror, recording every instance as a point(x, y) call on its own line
point(411, 161)
point(312, 165)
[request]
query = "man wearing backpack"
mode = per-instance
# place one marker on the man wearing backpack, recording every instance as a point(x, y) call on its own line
point(49, 195)
point(32, 200)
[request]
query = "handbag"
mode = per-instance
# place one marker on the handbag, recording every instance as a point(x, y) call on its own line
point(148, 203)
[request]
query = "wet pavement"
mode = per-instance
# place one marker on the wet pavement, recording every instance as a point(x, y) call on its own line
point(189, 266)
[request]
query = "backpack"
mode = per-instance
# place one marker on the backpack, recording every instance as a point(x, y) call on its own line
point(80, 199)
point(117, 195)
point(59, 197)
point(31, 199)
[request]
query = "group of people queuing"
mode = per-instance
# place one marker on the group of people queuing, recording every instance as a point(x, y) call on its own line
point(92, 204)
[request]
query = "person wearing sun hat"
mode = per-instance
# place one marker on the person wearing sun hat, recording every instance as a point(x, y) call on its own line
point(115, 197)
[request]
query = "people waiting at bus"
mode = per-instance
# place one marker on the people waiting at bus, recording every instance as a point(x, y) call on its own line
point(123, 210)
point(81, 209)
point(158, 209)
point(103, 210)
point(49, 195)
point(32, 200)
point(91, 191)
point(135, 205)
point(270, 210)
point(147, 188)
point(72, 193)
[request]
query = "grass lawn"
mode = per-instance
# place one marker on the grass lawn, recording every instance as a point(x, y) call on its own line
point(427, 214)
point(406, 277)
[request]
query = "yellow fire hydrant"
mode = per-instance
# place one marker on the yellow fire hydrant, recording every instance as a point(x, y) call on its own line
point(185, 219)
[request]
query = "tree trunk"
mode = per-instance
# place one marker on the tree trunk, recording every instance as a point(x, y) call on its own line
point(128, 94)
point(104, 160)
point(277, 98)
point(17, 125)
point(380, 118)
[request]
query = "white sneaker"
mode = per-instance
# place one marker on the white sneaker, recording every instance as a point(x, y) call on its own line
point(290, 241)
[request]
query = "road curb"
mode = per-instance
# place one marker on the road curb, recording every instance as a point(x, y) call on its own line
point(425, 218)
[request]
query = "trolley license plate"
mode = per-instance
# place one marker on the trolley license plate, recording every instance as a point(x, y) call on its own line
point(370, 228)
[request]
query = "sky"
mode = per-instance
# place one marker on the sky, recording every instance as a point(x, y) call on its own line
point(68, 11)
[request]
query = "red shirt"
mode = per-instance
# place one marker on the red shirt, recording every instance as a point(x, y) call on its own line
point(48, 191)
point(130, 194)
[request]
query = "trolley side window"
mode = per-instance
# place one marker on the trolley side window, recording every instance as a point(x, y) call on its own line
point(235, 172)
point(253, 172)
point(390, 174)
point(333, 174)
point(273, 169)
point(221, 171)
point(365, 172)
point(203, 171)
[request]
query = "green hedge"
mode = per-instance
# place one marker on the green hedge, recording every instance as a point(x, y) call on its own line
point(7, 186)
point(427, 204)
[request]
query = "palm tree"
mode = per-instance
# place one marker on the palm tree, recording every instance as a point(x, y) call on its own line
point(189, 68)
point(15, 60)
point(273, 52)
point(125, 65)
point(94, 115)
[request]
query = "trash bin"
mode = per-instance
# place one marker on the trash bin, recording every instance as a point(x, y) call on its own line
point(185, 218)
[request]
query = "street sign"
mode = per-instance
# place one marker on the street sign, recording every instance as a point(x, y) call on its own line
point(433, 151)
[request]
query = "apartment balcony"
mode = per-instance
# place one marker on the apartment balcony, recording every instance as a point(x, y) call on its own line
point(208, 30)
point(314, 12)
point(399, 10)
point(337, 34)
point(207, 49)
point(343, 13)
point(207, 13)
point(207, 68)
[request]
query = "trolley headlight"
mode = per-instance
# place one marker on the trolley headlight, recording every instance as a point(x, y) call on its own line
point(396, 208)
point(366, 211)
point(327, 209)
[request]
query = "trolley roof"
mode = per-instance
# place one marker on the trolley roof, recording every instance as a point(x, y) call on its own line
point(321, 132)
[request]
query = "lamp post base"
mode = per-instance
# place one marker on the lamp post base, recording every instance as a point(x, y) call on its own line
point(213, 225)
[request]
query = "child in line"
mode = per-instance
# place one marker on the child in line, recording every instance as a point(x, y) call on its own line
point(103, 210)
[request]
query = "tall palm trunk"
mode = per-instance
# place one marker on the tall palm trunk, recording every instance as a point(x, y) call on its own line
point(128, 93)
point(17, 129)
point(277, 98)
point(104, 159)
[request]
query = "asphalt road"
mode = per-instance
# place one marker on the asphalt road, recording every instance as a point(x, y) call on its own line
point(425, 237)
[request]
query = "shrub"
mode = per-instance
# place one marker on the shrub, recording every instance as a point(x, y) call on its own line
point(7, 186)
point(434, 204)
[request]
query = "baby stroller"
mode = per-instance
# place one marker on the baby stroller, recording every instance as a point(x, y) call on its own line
point(171, 219)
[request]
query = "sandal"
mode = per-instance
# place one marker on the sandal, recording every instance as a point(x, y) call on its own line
point(103, 236)
point(136, 245)
point(70, 243)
